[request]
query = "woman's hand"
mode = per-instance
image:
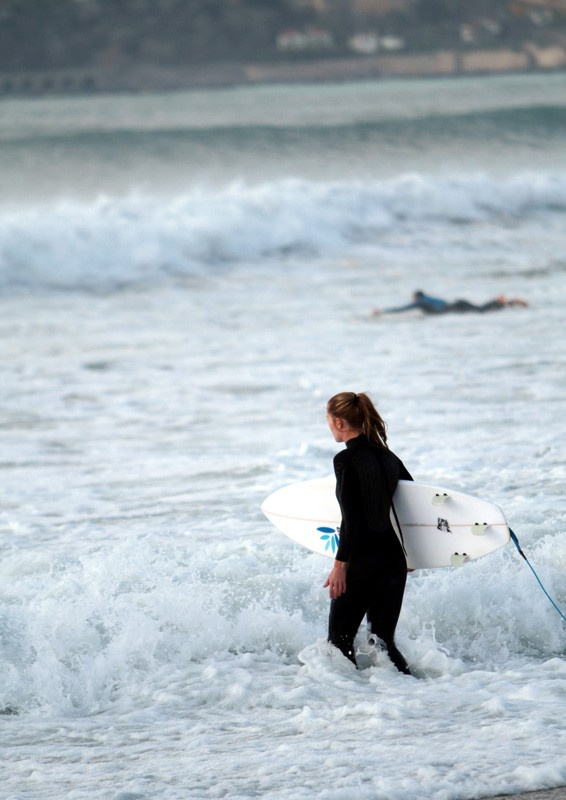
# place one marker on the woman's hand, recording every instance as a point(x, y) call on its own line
point(336, 580)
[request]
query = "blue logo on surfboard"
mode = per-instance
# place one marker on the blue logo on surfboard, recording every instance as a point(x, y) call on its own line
point(330, 537)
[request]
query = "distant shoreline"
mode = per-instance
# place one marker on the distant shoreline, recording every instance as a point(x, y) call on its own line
point(145, 77)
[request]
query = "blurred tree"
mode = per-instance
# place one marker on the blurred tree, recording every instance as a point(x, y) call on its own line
point(433, 11)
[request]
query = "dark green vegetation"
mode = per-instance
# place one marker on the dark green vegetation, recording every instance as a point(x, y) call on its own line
point(59, 34)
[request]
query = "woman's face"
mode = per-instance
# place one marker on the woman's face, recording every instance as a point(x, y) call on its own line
point(336, 426)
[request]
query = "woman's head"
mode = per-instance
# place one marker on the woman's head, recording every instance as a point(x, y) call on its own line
point(350, 414)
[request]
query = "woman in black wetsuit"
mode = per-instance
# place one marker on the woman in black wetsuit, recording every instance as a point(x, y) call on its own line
point(370, 570)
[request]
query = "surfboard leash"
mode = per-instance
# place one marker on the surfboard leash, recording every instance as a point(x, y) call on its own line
point(518, 546)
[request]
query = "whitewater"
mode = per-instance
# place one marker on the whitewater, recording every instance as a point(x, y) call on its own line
point(186, 279)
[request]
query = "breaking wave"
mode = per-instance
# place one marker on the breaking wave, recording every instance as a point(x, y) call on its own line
point(144, 240)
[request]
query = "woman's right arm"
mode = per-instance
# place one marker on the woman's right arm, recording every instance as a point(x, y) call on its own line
point(341, 472)
point(336, 580)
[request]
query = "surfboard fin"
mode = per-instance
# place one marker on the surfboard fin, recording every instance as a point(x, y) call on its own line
point(459, 559)
point(479, 528)
point(440, 498)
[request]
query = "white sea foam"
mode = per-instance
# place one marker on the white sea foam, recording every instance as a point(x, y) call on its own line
point(159, 639)
point(150, 615)
point(145, 240)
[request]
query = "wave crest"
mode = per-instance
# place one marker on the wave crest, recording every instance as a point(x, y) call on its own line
point(116, 242)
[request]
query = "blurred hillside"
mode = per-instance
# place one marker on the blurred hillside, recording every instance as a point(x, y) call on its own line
point(47, 35)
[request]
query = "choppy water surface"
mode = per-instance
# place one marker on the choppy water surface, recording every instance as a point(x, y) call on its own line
point(167, 349)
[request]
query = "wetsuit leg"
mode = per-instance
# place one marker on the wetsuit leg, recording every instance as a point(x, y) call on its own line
point(461, 306)
point(431, 309)
point(493, 305)
point(383, 613)
point(371, 590)
point(346, 615)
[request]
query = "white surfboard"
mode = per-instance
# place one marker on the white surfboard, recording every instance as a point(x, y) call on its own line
point(437, 527)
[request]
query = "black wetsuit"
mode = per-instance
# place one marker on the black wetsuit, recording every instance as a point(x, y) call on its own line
point(436, 305)
point(462, 306)
point(366, 479)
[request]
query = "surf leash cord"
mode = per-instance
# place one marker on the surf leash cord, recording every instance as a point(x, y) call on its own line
point(518, 546)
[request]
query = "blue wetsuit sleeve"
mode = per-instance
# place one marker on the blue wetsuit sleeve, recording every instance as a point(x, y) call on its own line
point(425, 302)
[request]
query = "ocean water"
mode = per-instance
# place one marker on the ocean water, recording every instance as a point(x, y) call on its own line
point(186, 278)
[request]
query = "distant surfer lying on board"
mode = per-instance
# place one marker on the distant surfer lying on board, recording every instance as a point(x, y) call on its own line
point(436, 305)
point(370, 570)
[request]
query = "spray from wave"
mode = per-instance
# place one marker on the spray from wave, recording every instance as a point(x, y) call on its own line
point(139, 240)
point(121, 625)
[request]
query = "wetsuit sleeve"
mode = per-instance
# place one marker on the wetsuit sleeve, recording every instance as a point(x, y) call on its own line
point(399, 309)
point(343, 492)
